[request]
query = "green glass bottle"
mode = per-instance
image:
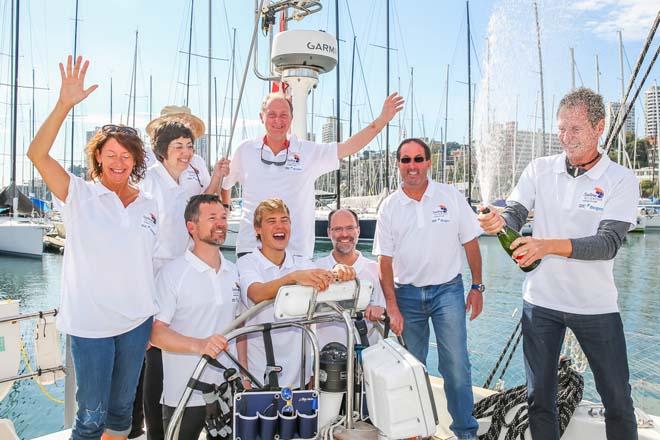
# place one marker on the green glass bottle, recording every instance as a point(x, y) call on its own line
point(507, 236)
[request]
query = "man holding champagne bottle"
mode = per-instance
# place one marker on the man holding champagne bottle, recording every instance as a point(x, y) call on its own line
point(584, 204)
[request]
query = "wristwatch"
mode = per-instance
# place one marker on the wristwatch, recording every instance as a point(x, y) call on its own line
point(480, 287)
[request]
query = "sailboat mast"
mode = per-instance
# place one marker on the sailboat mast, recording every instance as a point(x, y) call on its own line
point(151, 96)
point(469, 143)
point(350, 114)
point(387, 93)
point(73, 109)
point(233, 67)
point(32, 135)
point(597, 76)
point(538, 45)
point(338, 94)
point(412, 94)
point(111, 100)
point(622, 107)
point(207, 152)
point(134, 77)
point(192, 10)
point(14, 107)
point(443, 177)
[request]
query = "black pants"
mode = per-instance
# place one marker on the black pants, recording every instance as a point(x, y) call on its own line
point(138, 409)
point(147, 398)
point(153, 389)
point(192, 421)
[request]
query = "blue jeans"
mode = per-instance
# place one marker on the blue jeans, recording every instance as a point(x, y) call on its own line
point(445, 305)
point(602, 341)
point(107, 372)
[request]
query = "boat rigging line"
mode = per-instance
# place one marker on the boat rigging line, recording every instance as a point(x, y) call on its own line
point(614, 129)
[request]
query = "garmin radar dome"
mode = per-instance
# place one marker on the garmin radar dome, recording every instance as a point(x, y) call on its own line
point(299, 56)
point(299, 48)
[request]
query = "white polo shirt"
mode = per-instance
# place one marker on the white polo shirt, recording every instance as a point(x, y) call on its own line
point(195, 301)
point(365, 269)
point(293, 182)
point(107, 273)
point(172, 198)
point(425, 239)
point(568, 207)
point(287, 342)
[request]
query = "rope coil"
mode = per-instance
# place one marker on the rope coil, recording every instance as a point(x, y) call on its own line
point(497, 406)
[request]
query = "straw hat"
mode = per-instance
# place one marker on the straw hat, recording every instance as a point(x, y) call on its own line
point(175, 113)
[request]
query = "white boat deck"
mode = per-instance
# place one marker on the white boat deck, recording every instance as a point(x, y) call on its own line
point(587, 423)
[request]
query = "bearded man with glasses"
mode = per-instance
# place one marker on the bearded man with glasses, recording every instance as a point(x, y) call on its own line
point(282, 166)
point(422, 229)
point(343, 231)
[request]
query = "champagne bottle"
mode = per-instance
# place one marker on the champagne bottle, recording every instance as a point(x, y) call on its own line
point(508, 235)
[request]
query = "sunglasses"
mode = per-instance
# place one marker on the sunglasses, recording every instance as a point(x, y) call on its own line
point(273, 162)
point(417, 159)
point(112, 128)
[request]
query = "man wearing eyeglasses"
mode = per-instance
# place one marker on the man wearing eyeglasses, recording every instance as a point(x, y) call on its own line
point(276, 165)
point(343, 231)
point(421, 232)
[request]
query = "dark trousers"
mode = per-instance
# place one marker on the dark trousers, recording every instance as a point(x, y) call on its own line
point(147, 398)
point(153, 389)
point(192, 422)
point(138, 410)
point(602, 340)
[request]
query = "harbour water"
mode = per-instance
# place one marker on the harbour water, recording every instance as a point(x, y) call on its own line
point(637, 271)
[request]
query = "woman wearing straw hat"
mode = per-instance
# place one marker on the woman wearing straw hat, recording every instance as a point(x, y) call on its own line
point(172, 179)
point(107, 276)
point(177, 175)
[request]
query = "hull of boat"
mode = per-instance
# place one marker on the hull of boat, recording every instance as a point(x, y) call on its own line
point(21, 238)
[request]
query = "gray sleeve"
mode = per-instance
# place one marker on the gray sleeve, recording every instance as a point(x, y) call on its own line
point(602, 246)
point(515, 215)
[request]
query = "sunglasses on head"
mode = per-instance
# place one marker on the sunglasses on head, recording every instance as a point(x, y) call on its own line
point(417, 159)
point(112, 128)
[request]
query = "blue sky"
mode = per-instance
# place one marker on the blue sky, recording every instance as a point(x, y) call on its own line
point(426, 35)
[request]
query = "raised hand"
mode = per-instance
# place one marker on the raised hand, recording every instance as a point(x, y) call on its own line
point(73, 89)
point(392, 105)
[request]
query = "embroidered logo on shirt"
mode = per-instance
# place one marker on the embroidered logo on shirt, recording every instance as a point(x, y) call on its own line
point(294, 162)
point(440, 214)
point(599, 192)
point(592, 200)
point(149, 222)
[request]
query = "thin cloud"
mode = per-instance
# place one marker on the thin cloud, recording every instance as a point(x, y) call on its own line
point(632, 17)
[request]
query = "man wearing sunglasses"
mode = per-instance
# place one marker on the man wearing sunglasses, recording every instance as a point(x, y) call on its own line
point(422, 230)
point(282, 166)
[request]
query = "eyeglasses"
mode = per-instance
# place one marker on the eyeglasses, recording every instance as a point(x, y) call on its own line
point(112, 128)
point(273, 162)
point(340, 229)
point(417, 159)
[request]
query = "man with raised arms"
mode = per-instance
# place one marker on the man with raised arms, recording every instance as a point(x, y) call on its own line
point(282, 166)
